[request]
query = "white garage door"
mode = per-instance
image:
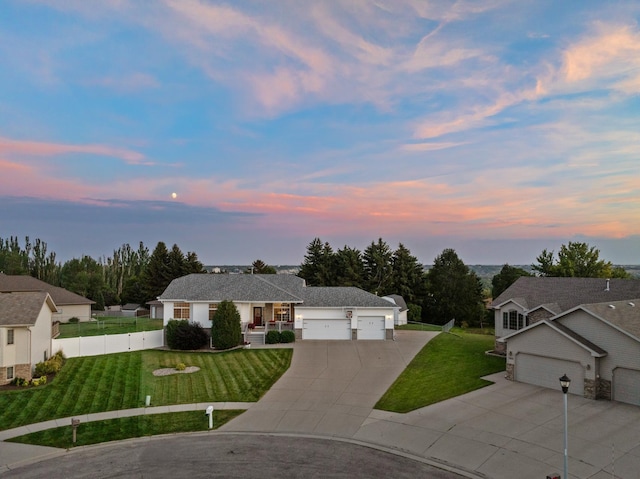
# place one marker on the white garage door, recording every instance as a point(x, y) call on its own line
point(326, 329)
point(626, 386)
point(371, 327)
point(546, 372)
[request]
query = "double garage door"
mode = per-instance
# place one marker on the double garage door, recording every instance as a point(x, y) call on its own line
point(368, 328)
point(546, 372)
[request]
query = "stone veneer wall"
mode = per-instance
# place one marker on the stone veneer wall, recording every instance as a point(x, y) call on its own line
point(389, 334)
point(500, 347)
point(589, 388)
point(603, 389)
point(19, 371)
point(298, 334)
point(509, 373)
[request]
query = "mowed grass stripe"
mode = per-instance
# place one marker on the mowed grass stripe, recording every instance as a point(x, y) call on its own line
point(121, 381)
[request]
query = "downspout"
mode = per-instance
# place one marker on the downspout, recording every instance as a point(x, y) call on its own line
point(29, 350)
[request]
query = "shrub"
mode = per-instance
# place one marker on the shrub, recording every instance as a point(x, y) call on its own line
point(19, 382)
point(52, 365)
point(74, 320)
point(226, 331)
point(184, 335)
point(287, 336)
point(39, 381)
point(180, 367)
point(273, 337)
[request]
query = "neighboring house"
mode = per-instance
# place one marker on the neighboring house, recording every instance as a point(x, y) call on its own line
point(69, 304)
point(596, 345)
point(402, 312)
point(134, 310)
point(587, 328)
point(26, 329)
point(282, 301)
point(532, 299)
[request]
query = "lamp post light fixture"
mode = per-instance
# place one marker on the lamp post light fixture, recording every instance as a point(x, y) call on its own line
point(565, 382)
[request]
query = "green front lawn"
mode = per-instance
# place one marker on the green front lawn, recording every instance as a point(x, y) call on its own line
point(127, 427)
point(122, 381)
point(419, 327)
point(103, 326)
point(448, 366)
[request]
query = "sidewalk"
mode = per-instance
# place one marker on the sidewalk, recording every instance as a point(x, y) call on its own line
point(13, 455)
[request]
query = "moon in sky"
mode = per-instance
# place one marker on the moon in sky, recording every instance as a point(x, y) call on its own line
point(174, 195)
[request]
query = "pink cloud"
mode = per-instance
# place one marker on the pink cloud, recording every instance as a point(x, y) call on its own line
point(34, 148)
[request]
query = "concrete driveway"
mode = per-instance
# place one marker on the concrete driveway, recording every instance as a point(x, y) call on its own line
point(506, 430)
point(331, 386)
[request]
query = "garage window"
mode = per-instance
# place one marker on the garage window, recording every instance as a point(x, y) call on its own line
point(512, 320)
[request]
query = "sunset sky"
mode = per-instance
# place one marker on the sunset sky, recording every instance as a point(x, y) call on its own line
point(497, 128)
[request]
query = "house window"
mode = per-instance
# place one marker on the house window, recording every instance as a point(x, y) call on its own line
point(10, 372)
point(181, 311)
point(10, 337)
point(282, 312)
point(513, 320)
point(213, 308)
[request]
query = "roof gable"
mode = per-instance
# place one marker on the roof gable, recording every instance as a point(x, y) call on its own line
point(622, 315)
point(559, 328)
point(23, 308)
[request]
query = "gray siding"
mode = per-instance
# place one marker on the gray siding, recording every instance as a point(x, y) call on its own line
point(622, 351)
point(544, 341)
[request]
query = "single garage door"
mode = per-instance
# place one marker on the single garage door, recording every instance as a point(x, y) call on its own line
point(371, 327)
point(326, 329)
point(546, 372)
point(626, 386)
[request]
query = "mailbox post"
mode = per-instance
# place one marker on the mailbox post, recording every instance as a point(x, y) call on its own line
point(74, 424)
point(209, 412)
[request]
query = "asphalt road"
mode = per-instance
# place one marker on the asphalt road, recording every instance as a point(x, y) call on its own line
point(242, 456)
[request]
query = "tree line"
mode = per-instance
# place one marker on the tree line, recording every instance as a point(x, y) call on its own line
point(129, 275)
point(447, 290)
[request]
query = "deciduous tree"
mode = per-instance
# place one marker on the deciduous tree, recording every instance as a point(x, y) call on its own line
point(505, 278)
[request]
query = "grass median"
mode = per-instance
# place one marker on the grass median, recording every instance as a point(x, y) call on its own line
point(126, 428)
point(122, 381)
point(448, 366)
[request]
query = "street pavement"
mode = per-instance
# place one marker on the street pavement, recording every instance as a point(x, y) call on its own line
point(506, 430)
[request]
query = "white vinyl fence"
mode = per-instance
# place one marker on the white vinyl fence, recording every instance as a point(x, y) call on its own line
point(108, 343)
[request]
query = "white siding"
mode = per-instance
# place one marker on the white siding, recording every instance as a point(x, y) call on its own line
point(509, 306)
point(80, 311)
point(41, 336)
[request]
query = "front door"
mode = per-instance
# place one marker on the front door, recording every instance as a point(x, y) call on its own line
point(257, 315)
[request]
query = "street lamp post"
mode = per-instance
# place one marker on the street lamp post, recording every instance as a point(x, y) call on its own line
point(565, 382)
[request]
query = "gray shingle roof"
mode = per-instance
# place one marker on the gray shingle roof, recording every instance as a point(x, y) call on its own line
point(623, 314)
point(234, 287)
point(22, 308)
point(272, 288)
point(60, 296)
point(567, 293)
point(346, 297)
point(399, 300)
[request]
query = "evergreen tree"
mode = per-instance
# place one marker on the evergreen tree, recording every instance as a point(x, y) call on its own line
point(226, 331)
point(157, 276)
point(505, 278)
point(378, 268)
point(318, 268)
point(408, 276)
point(454, 292)
point(260, 267)
point(349, 267)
